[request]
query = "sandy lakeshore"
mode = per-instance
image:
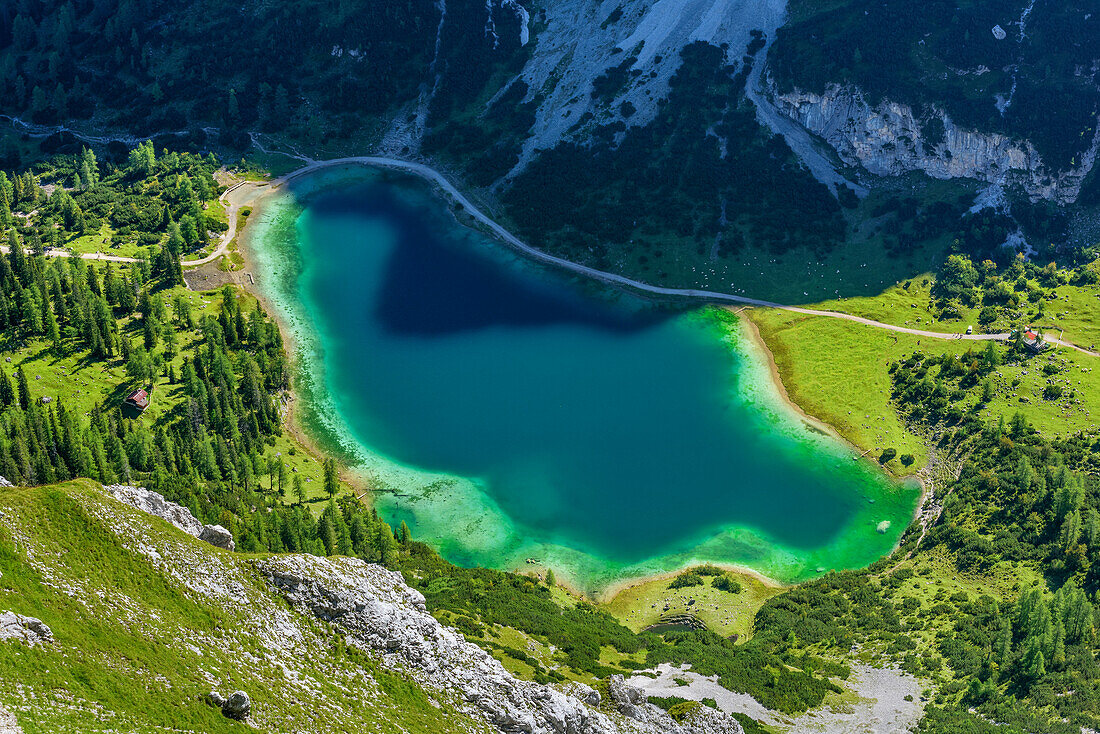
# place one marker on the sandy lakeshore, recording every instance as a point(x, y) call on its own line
point(361, 479)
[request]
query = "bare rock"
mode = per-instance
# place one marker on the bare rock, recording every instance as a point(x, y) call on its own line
point(622, 694)
point(154, 503)
point(587, 694)
point(217, 699)
point(8, 723)
point(218, 536)
point(712, 721)
point(5, 483)
point(380, 614)
point(889, 139)
point(25, 629)
point(149, 501)
point(237, 706)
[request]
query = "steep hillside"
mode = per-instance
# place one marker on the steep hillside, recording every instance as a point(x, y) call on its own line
point(142, 621)
point(1003, 91)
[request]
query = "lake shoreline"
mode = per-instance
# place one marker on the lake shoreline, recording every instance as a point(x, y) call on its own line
point(358, 478)
point(291, 420)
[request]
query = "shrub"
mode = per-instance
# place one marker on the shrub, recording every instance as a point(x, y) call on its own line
point(725, 583)
point(687, 578)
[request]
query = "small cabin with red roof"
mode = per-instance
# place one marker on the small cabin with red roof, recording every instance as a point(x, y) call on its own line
point(138, 399)
point(1034, 341)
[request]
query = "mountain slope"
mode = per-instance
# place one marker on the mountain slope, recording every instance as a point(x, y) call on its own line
point(146, 620)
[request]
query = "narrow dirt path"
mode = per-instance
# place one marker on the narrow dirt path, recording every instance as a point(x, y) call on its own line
point(234, 198)
point(470, 208)
point(245, 193)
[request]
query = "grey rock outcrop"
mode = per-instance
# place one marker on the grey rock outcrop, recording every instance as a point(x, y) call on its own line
point(890, 139)
point(581, 39)
point(24, 629)
point(218, 536)
point(5, 483)
point(154, 503)
point(379, 613)
point(237, 706)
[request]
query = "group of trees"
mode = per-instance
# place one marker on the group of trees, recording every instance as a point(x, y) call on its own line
point(152, 66)
point(156, 202)
point(943, 55)
point(1022, 504)
point(703, 167)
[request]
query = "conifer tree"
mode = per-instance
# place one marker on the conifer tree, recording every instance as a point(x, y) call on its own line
point(387, 546)
point(24, 388)
point(331, 481)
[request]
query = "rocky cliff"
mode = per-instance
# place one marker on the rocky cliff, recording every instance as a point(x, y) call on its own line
point(635, 41)
point(379, 614)
point(890, 139)
point(160, 619)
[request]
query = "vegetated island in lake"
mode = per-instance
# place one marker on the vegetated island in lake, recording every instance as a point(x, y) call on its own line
point(508, 413)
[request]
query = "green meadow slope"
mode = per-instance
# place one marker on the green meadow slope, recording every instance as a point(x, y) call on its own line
point(138, 643)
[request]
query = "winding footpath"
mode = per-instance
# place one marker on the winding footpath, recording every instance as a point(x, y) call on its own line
point(470, 208)
point(233, 198)
point(246, 193)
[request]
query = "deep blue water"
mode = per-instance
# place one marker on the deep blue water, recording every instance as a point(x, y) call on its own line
point(597, 423)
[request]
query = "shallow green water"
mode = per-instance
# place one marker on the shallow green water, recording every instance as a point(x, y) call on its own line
point(512, 413)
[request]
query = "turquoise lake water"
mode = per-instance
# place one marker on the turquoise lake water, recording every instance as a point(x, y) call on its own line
point(507, 412)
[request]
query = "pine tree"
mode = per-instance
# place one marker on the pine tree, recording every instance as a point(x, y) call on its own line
point(332, 485)
point(1003, 645)
point(24, 388)
point(89, 168)
point(387, 546)
point(327, 533)
point(1024, 475)
point(1058, 657)
point(1034, 662)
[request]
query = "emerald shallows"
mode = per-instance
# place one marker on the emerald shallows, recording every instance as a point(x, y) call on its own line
point(510, 413)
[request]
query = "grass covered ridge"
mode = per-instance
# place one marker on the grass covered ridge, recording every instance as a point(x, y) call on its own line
point(136, 650)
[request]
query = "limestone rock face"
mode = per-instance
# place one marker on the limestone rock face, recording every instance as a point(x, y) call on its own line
point(5, 483)
point(380, 614)
point(24, 629)
point(890, 139)
point(218, 536)
point(154, 503)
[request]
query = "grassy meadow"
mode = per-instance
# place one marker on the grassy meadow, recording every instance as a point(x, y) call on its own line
point(643, 603)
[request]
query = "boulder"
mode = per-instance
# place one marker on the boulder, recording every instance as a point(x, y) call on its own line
point(5, 482)
point(217, 699)
point(218, 536)
point(237, 706)
point(149, 501)
point(24, 629)
point(624, 695)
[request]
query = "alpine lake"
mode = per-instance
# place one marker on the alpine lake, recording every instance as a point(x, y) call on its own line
point(512, 414)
